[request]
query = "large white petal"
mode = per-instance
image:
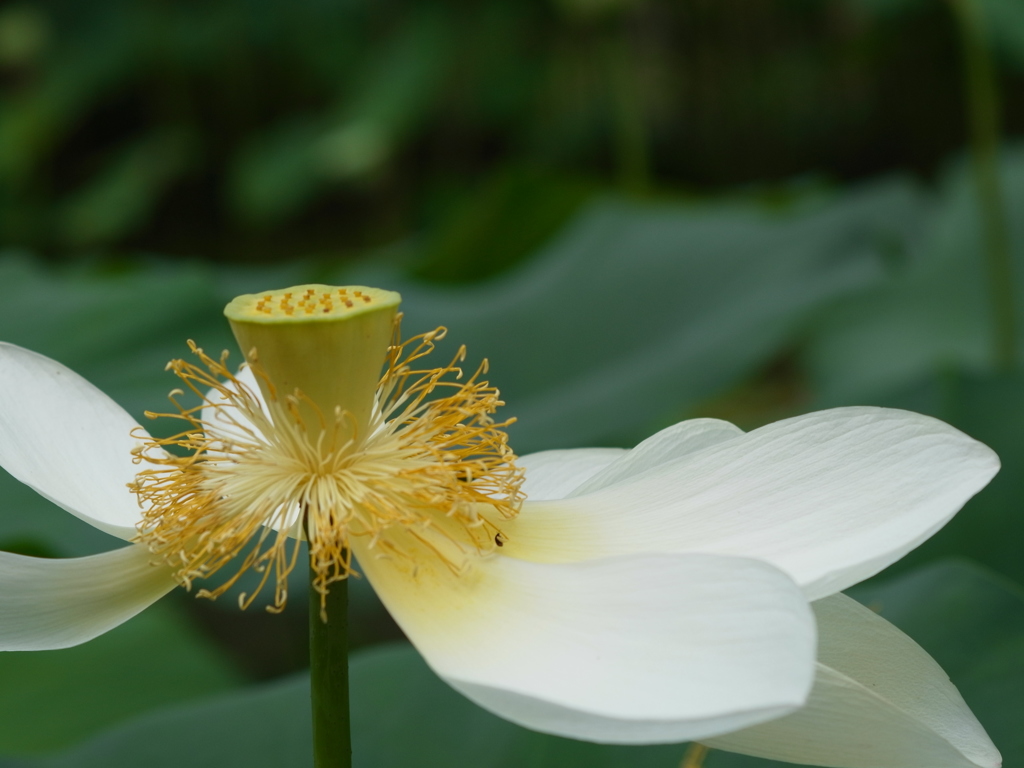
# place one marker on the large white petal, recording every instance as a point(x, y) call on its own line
point(671, 443)
point(830, 498)
point(577, 471)
point(555, 474)
point(651, 649)
point(878, 700)
point(67, 440)
point(47, 604)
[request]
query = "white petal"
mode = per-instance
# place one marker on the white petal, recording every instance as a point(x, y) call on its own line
point(651, 649)
point(555, 474)
point(671, 443)
point(576, 471)
point(879, 700)
point(831, 498)
point(67, 440)
point(49, 604)
point(230, 423)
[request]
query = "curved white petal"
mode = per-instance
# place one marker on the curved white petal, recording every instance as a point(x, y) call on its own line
point(228, 423)
point(671, 443)
point(48, 604)
point(555, 474)
point(878, 700)
point(831, 498)
point(651, 649)
point(67, 440)
point(577, 471)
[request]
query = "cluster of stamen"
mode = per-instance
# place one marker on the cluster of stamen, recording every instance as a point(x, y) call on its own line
point(433, 473)
point(311, 302)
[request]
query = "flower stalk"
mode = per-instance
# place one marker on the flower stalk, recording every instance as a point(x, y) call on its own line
point(328, 676)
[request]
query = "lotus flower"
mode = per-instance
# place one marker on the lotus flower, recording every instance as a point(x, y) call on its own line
point(687, 589)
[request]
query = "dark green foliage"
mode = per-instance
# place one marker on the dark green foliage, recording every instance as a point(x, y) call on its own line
point(249, 130)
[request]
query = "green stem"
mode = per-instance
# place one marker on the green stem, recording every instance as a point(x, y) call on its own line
point(983, 108)
point(328, 673)
point(631, 151)
point(694, 757)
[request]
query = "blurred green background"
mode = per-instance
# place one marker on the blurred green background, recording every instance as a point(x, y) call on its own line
point(638, 210)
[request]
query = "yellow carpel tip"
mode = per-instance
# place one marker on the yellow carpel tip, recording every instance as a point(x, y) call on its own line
point(315, 303)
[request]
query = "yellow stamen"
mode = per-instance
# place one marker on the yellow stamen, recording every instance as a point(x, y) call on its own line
point(431, 471)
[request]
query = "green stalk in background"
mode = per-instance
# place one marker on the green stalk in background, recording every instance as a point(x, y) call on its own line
point(632, 156)
point(695, 755)
point(983, 112)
